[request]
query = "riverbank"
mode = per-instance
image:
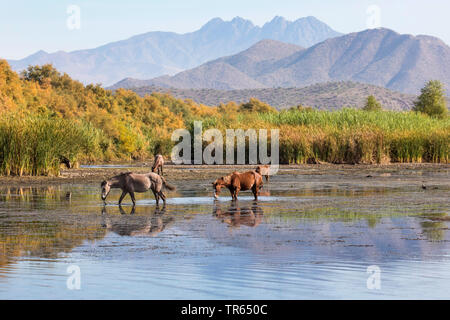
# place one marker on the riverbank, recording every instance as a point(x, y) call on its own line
point(97, 173)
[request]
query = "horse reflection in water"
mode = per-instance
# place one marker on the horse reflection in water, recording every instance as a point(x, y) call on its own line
point(136, 225)
point(235, 216)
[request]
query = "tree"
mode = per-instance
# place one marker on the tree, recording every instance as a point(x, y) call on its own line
point(372, 104)
point(254, 105)
point(432, 100)
point(303, 108)
point(41, 74)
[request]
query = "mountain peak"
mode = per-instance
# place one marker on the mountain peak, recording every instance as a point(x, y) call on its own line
point(213, 22)
point(278, 19)
point(276, 22)
point(238, 19)
point(240, 22)
point(310, 18)
point(39, 53)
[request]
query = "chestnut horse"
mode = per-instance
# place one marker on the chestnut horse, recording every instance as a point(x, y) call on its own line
point(131, 182)
point(158, 164)
point(235, 182)
point(264, 170)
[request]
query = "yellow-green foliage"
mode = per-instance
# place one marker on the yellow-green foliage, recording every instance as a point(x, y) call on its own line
point(46, 115)
point(34, 145)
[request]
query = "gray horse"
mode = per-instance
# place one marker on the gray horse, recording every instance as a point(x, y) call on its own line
point(131, 182)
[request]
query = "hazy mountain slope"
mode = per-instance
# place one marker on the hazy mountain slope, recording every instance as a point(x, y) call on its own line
point(378, 56)
point(327, 96)
point(156, 53)
point(232, 72)
point(219, 75)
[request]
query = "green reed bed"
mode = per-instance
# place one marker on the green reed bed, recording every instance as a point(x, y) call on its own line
point(356, 136)
point(34, 145)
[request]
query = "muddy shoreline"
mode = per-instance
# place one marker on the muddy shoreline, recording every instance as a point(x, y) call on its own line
point(97, 173)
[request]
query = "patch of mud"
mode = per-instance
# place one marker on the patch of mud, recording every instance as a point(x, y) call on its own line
point(99, 172)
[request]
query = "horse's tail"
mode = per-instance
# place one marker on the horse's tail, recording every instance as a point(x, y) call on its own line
point(167, 185)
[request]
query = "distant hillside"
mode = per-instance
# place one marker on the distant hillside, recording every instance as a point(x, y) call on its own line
point(380, 57)
point(157, 53)
point(232, 72)
point(327, 96)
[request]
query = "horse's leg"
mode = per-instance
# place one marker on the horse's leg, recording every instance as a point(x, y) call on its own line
point(163, 197)
point(236, 192)
point(231, 192)
point(155, 194)
point(133, 198)
point(255, 191)
point(267, 178)
point(124, 193)
point(157, 198)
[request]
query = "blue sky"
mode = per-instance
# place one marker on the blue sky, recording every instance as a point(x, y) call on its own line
point(28, 26)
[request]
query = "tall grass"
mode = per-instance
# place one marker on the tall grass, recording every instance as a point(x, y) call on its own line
point(34, 145)
point(356, 136)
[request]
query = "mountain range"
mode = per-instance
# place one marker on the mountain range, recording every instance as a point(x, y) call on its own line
point(380, 57)
point(154, 54)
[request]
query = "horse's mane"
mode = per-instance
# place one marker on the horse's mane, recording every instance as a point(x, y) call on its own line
point(121, 175)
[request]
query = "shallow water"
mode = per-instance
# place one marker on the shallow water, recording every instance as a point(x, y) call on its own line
point(308, 237)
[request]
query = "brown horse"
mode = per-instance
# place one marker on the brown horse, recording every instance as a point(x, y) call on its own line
point(237, 181)
point(133, 182)
point(264, 170)
point(158, 164)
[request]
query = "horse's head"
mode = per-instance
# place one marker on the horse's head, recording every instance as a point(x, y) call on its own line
point(217, 185)
point(106, 187)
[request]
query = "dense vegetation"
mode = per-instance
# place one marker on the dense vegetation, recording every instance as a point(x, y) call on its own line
point(46, 115)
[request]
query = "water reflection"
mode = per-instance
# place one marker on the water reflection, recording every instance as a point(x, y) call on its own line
point(434, 230)
point(45, 237)
point(34, 197)
point(235, 216)
point(129, 224)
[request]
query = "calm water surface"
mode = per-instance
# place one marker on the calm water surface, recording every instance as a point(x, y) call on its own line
point(308, 237)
